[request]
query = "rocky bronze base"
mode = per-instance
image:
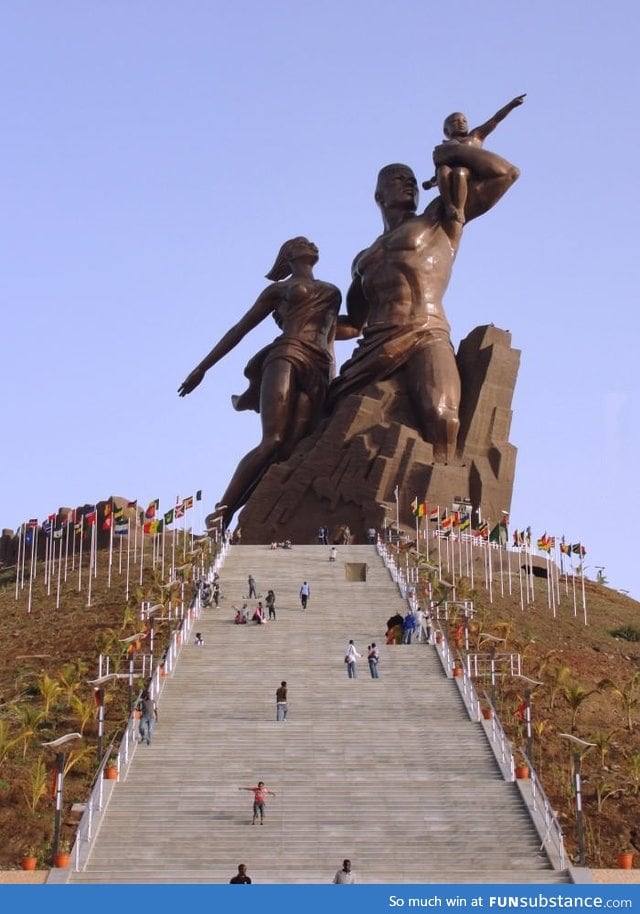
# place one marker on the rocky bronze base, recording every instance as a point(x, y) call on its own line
point(346, 472)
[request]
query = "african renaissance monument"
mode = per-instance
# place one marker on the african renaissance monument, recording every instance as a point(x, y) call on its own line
point(405, 416)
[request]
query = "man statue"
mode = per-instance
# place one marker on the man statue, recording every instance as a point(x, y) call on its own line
point(395, 298)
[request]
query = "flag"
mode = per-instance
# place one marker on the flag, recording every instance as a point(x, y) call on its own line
point(199, 495)
point(465, 521)
point(57, 533)
point(455, 518)
point(419, 508)
point(520, 711)
point(483, 530)
point(168, 517)
point(132, 504)
point(106, 523)
point(188, 503)
point(578, 549)
point(565, 548)
point(527, 536)
point(77, 528)
point(516, 539)
point(153, 526)
point(153, 506)
point(118, 513)
point(52, 517)
point(178, 511)
point(46, 527)
point(69, 517)
point(434, 514)
point(499, 534)
point(542, 543)
point(445, 525)
point(90, 517)
point(121, 527)
point(33, 522)
point(28, 536)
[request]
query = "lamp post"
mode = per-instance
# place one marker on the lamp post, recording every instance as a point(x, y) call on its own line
point(582, 747)
point(59, 784)
point(527, 711)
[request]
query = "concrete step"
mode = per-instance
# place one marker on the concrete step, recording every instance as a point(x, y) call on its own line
point(390, 772)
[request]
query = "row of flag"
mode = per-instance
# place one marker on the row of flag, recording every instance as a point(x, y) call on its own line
point(114, 518)
point(460, 520)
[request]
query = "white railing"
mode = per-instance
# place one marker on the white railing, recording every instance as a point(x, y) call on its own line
point(544, 817)
point(532, 792)
point(95, 806)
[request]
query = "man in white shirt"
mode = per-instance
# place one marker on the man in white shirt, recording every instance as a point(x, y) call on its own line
point(344, 876)
point(351, 658)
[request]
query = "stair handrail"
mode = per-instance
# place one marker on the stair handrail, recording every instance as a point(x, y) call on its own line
point(98, 799)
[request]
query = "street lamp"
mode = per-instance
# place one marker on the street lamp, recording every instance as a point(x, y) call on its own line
point(59, 783)
point(527, 710)
point(582, 747)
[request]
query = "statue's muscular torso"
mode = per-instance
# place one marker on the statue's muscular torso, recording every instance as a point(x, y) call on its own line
point(405, 273)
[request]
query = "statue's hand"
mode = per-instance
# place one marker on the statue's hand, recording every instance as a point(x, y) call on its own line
point(191, 382)
point(518, 100)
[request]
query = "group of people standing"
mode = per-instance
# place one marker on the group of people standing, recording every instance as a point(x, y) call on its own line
point(402, 629)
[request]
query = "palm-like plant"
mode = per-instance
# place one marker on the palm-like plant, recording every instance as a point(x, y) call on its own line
point(34, 786)
point(49, 689)
point(602, 742)
point(559, 676)
point(575, 695)
point(628, 693)
point(71, 677)
point(30, 719)
point(7, 739)
point(83, 710)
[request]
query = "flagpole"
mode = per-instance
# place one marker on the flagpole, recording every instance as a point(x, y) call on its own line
point(110, 544)
point(24, 552)
point(21, 530)
point(59, 571)
point(397, 496)
point(93, 527)
point(31, 570)
point(80, 553)
point(128, 556)
point(66, 549)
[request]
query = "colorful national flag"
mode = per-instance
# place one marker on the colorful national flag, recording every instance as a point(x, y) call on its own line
point(57, 533)
point(465, 521)
point(178, 511)
point(565, 548)
point(199, 495)
point(419, 508)
point(91, 517)
point(46, 527)
point(578, 549)
point(499, 534)
point(482, 530)
point(434, 514)
point(168, 517)
point(188, 503)
point(153, 526)
point(33, 522)
point(132, 504)
point(106, 523)
point(77, 529)
point(121, 527)
point(153, 506)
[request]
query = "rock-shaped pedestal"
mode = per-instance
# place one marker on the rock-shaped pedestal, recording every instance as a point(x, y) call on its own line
point(346, 472)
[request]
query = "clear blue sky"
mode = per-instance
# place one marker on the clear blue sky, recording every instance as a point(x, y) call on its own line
point(156, 154)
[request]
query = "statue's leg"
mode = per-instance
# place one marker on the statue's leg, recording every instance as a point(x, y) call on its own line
point(277, 412)
point(433, 385)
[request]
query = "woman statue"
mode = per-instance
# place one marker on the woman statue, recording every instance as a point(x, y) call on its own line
point(289, 378)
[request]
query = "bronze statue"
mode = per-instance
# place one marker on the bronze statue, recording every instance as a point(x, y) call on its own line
point(452, 182)
point(289, 378)
point(398, 284)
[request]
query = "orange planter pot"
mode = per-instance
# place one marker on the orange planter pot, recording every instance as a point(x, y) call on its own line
point(28, 863)
point(61, 860)
point(487, 713)
point(457, 671)
point(111, 773)
point(522, 772)
point(625, 860)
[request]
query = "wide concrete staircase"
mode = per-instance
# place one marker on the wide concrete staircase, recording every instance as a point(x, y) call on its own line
point(390, 772)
